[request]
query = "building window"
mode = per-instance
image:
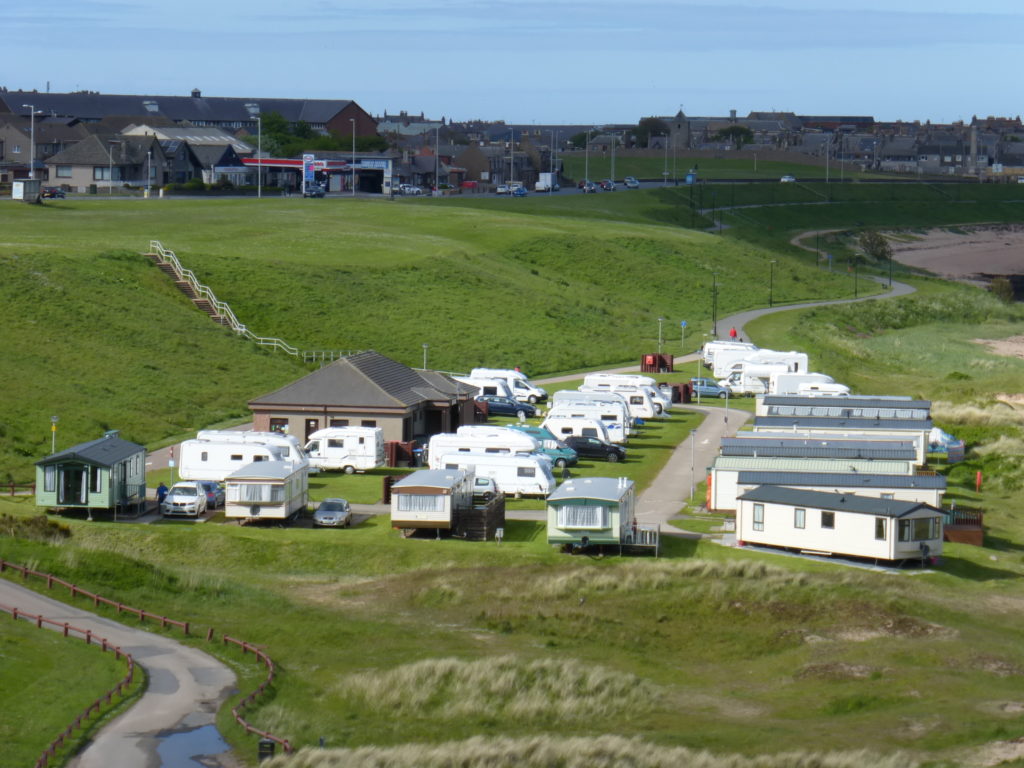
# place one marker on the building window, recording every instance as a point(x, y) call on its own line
point(919, 529)
point(880, 529)
point(280, 425)
point(582, 516)
point(95, 480)
point(799, 518)
point(102, 173)
point(369, 422)
point(17, 149)
point(50, 478)
point(63, 171)
point(759, 517)
point(337, 422)
point(828, 519)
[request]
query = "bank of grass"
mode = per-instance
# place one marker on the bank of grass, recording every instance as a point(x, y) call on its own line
point(742, 166)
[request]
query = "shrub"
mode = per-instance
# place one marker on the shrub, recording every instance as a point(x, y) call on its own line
point(38, 528)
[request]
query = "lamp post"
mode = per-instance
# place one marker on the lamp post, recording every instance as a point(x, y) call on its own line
point(664, 172)
point(682, 335)
point(660, 321)
point(259, 157)
point(586, 160)
point(890, 271)
point(437, 159)
point(31, 140)
point(771, 281)
point(714, 305)
point(353, 179)
point(693, 476)
point(110, 166)
point(615, 140)
point(53, 434)
point(149, 172)
point(425, 347)
point(551, 185)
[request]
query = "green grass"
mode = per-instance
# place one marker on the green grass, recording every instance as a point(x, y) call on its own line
point(741, 166)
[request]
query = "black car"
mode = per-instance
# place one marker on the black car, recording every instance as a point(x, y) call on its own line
point(595, 448)
point(52, 192)
point(314, 190)
point(506, 406)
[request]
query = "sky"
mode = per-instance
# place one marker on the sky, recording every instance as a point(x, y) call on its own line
point(537, 61)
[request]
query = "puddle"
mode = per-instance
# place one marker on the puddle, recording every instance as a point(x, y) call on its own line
point(191, 749)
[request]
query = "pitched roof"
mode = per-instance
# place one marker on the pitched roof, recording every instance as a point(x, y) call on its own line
point(817, 422)
point(602, 488)
point(94, 150)
point(364, 380)
point(431, 478)
point(104, 452)
point(839, 502)
point(851, 480)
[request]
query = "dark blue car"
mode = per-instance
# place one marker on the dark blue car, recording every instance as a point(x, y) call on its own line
point(506, 406)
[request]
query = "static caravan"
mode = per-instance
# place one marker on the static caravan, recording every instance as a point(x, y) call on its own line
point(723, 474)
point(487, 386)
point(820, 448)
point(615, 401)
point(522, 389)
point(712, 349)
point(926, 489)
point(215, 459)
point(108, 473)
point(612, 418)
point(288, 445)
point(349, 449)
point(491, 440)
point(568, 426)
point(851, 407)
point(522, 439)
point(517, 474)
point(839, 524)
point(899, 429)
point(431, 498)
point(595, 511)
point(266, 490)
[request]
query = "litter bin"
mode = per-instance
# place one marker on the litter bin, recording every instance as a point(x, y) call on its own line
point(265, 749)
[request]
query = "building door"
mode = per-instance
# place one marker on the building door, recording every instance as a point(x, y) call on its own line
point(72, 485)
point(312, 425)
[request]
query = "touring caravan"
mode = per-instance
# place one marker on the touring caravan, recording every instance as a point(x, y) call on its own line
point(641, 405)
point(712, 348)
point(521, 439)
point(522, 389)
point(824, 389)
point(568, 426)
point(612, 418)
point(614, 400)
point(787, 382)
point(289, 444)
point(504, 443)
point(216, 459)
point(620, 382)
point(349, 449)
point(518, 474)
point(266, 490)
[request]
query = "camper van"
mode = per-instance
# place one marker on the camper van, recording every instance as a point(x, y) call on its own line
point(522, 389)
point(731, 362)
point(534, 440)
point(266, 490)
point(751, 380)
point(614, 400)
point(517, 474)
point(713, 348)
point(787, 382)
point(289, 444)
point(350, 449)
point(487, 385)
point(216, 459)
point(825, 389)
point(614, 419)
point(568, 426)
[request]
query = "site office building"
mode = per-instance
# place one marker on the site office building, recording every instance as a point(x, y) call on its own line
point(367, 390)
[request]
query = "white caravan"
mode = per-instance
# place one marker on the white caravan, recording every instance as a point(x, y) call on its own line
point(491, 440)
point(638, 399)
point(289, 444)
point(522, 389)
point(730, 362)
point(487, 385)
point(752, 380)
point(613, 418)
point(350, 449)
point(216, 459)
point(823, 390)
point(569, 426)
point(266, 490)
point(618, 380)
point(516, 474)
point(787, 382)
point(614, 400)
point(712, 348)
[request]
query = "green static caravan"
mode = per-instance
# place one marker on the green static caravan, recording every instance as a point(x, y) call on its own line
point(109, 473)
point(597, 511)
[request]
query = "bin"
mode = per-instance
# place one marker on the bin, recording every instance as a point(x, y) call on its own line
point(265, 749)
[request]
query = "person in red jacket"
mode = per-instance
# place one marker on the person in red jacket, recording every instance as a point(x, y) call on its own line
point(732, 334)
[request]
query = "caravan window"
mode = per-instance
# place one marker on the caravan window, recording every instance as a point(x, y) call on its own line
point(259, 458)
point(759, 517)
point(919, 529)
point(566, 430)
point(335, 443)
point(497, 450)
point(610, 417)
point(880, 528)
point(95, 480)
point(50, 478)
point(408, 502)
point(362, 440)
point(451, 466)
point(526, 472)
point(828, 519)
point(262, 492)
point(582, 516)
point(636, 400)
point(799, 517)
point(236, 457)
point(204, 456)
point(313, 446)
point(589, 432)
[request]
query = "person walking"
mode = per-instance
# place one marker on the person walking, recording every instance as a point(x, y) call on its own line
point(161, 494)
point(732, 333)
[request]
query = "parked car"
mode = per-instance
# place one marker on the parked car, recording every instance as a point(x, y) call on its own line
point(588, 186)
point(214, 494)
point(333, 513)
point(185, 498)
point(519, 192)
point(787, 179)
point(708, 388)
point(595, 448)
point(607, 185)
point(409, 189)
point(630, 182)
point(503, 189)
point(314, 190)
point(484, 488)
point(53, 192)
point(506, 406)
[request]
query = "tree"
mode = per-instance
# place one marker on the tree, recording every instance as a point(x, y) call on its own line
point(650, 126)
point(738, 135)
point(875, 246)
point(579, 140)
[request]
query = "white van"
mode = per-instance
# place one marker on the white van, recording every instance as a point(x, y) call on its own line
point(516, 474)
point(522, 389)
point(349, 449)
point(713, 348)
point(289, 444)
point(487, 385)
point(216, 459)
point(613, 418)
point(568, 426)
point(266, 490)
point(479, 439)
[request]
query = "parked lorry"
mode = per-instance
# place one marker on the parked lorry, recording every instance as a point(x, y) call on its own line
point(517, 382)
point(349, 449)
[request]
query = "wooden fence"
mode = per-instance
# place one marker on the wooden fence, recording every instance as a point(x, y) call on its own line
point(142, 615)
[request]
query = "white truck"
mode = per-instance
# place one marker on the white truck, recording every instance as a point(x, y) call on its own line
point(546, 182)
point(350, 449)
point(520, 386)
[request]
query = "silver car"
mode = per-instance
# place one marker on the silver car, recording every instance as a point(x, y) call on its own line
point(333, 513)
point(185, 498)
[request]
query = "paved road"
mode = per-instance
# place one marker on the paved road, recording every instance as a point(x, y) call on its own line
point(186, 688)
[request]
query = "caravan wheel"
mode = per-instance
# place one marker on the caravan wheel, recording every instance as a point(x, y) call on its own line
point(349, 470)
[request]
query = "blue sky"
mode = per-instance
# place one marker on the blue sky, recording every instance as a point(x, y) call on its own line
point(543, 61)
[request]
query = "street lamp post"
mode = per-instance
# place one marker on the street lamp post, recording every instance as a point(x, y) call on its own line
point(149, 172)
point(437, 158)
point(425, 347)
point(53, 434)
point(615, 141)
point(586, 160)
point(664, 171)
point(31, 140)
point(551, 185)
point(259, 156)
point(353, 179)
point(110, 166)
point(660, 321)
point(714, 305)
point(771, 282)
point(693, 477)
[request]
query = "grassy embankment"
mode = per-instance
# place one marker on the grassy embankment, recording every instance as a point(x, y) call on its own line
point(741, 166)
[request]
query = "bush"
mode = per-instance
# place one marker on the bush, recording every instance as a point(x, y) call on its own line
point(38, 528)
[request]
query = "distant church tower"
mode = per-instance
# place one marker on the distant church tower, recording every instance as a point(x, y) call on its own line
point(680, 132)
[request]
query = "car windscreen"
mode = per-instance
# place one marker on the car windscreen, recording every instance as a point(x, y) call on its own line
point(183, 490)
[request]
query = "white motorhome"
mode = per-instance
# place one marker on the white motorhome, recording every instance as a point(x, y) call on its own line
point(517, 474)
point(613, 418)
point(615, 401)
point(569, 426)
point(522, 389)
point(712, 348)
point(751, 380)
point(619, 380)
point(350, 449)
point(266, 490)
point(787, 382)
point(216, 459)
point(641, 405)
point(487, 385)
point(479, 439)
point(289, 444)
point(730, 362)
